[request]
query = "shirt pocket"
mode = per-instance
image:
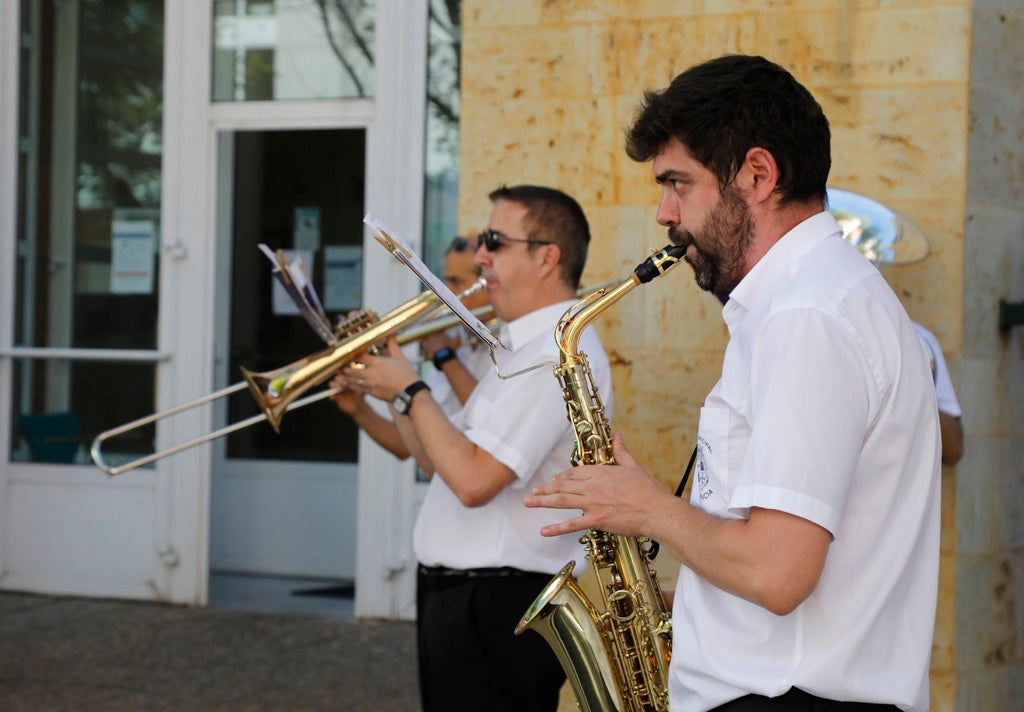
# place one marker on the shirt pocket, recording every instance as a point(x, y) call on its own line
point(711, 467)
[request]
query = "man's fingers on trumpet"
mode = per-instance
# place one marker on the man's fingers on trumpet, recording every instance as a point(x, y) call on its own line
point(345, 384)
point(352, 377)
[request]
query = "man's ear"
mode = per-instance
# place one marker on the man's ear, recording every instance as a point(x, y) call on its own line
point(549, 255)
point(758, 175)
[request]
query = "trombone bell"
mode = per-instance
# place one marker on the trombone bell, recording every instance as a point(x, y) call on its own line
point(275, 390)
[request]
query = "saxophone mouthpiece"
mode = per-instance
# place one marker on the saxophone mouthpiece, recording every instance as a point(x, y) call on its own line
point(659, 263)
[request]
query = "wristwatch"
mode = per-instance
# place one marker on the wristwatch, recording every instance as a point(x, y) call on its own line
point(443, 354)
point(403, 401)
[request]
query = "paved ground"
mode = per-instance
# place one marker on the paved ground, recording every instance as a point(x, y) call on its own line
point(80, 654)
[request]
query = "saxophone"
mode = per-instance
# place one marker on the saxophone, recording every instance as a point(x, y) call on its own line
point(615, 658)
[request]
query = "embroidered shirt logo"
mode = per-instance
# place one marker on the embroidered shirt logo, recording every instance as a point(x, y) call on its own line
point(703, 480)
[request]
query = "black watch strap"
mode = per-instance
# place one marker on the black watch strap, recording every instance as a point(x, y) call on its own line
point(403, 401)
point(442, 355)
point(414, 388)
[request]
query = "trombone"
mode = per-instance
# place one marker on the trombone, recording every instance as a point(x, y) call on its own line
point(280, 390)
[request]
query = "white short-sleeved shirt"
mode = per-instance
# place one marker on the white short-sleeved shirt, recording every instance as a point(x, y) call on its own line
point(477, 360)
point(522, 423)
point(944, 392)
point(825, 409)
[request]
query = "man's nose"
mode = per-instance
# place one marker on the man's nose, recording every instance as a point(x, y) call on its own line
point(482, 256)
point(668, 209)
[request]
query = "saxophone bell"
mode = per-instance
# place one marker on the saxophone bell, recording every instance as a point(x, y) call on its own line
point(564, 616)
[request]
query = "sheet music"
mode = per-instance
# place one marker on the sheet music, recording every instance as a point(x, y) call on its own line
point(396, 246)
point(299, 288)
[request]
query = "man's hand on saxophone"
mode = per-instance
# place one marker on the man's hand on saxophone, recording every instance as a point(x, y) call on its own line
point(617, 498)
point(772, 559)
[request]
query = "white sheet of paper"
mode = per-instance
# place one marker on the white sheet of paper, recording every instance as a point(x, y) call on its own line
point(398, 247)
point(291, 281)
point(132, 250)
point(282, 303)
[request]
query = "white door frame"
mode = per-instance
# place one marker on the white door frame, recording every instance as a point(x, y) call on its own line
point(10, 49)
point(394, 120)
point(57, 538)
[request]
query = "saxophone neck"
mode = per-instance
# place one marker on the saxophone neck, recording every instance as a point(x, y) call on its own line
point(580, 315)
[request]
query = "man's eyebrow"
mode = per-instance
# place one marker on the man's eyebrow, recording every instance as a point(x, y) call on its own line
point(669, 174)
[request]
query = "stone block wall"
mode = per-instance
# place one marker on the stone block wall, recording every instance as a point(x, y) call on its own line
point(989, 578)
point(548, 87)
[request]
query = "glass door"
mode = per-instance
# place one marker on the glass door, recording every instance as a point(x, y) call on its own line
point(86, 288)
point(284, 503)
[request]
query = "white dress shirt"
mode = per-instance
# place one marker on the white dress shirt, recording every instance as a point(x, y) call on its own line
point(944, 392)
point(522, 423)
point(477, 360)
point(825, 409)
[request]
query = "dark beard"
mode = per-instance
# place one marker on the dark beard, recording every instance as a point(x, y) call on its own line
point(721, 244)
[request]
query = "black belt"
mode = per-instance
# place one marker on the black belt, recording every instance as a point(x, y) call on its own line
point(492, 572)
point(796, 700)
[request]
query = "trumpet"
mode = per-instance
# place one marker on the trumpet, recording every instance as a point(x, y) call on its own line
point(281, 390)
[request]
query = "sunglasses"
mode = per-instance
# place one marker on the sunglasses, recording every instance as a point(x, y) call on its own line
point(492, 240)
point(459, 244)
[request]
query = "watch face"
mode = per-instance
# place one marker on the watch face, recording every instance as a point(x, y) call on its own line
point(401, 402)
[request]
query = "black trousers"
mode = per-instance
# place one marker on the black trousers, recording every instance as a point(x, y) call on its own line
point(469, 658)
point(798, 701)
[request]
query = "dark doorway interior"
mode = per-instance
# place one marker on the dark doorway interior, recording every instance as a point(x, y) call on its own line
point(278, 175)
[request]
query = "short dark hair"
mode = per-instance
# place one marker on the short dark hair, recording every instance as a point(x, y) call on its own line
point(552, 216)
point(722, 108)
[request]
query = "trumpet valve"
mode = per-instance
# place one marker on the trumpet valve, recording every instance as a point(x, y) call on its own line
point(354, 323)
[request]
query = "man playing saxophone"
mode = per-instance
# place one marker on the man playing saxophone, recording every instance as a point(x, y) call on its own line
point(482, 558)
point(810, 543)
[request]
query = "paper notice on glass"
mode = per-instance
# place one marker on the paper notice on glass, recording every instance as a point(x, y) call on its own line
point(343, 277)
point(306, 231)
point(132, 256)
point(396, 246)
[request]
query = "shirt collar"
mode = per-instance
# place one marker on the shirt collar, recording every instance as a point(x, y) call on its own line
point(522, 330)
point(778, 265)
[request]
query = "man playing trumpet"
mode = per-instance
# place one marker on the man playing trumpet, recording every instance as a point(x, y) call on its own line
point(482, 559)
point(458, 364)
